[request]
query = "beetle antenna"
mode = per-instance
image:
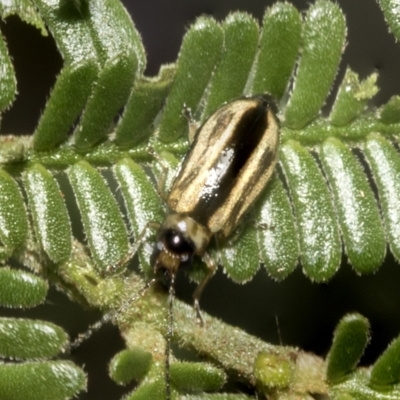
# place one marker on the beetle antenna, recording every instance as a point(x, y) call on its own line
point(82, 337)
point(171, 296)
point(278, 329)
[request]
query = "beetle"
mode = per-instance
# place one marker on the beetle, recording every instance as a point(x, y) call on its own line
point(231, 160)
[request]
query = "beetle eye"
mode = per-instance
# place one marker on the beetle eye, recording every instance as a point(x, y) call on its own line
point(177, 243)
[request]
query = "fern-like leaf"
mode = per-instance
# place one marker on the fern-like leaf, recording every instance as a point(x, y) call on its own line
point(319, 206)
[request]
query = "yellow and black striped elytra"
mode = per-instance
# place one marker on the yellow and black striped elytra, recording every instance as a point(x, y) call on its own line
point(231, 159)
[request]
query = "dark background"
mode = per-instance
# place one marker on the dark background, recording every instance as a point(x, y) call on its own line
point(306, 313)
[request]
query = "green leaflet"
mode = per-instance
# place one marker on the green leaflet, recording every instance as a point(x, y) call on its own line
point(281, 25)
point(8, 82)
point(391, 13)
point(316, 219)
point(150, 390)
point(389, 113)
point(130, 364)
point(122, 59)
point(109, 57)
point(13, 221)
point(356, 207)
point(21, 289)
point(231, 73)
point(30, 339)
point(200, 52)
point(143, 206)
point(102, 220)
point(25, 381)
point(239, 256)
point(384, 161)
point(74, 83)
point(277, 232)
point(323, 38)
point(49, 213)
point(145, 102)
point(26, 11)
point(350, 339)
point(386, 371)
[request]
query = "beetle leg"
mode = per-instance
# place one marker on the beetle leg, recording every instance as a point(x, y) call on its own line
point(212, 266)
